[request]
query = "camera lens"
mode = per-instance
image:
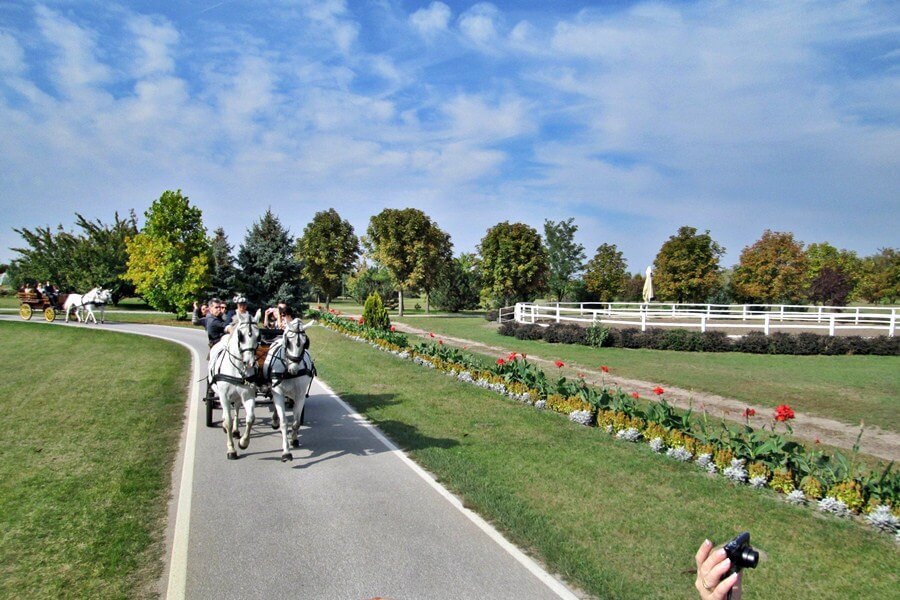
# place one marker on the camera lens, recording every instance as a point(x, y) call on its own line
point(749, 558)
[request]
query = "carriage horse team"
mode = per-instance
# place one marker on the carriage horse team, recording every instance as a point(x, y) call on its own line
point(240, 369)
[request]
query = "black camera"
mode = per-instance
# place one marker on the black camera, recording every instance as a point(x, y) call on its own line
point(741, 554)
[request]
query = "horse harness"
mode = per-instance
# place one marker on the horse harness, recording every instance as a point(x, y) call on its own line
point(217, 376)
point(284, 359)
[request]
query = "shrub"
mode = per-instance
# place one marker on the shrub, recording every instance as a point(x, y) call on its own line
point(492, 315)
point(884, 345)
point(782, 343)
point(562, 333)
point(715, 341)
point(529, 331)
point(754, 342)
point(630, 338)
point(508, 329)
point(809, 343)
point(375, 315)
point(596, 336)
point(680, 339)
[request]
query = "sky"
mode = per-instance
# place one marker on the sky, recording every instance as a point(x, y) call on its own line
point(633, 118)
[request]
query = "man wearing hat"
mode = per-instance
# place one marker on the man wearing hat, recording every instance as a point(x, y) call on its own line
point(240, 303)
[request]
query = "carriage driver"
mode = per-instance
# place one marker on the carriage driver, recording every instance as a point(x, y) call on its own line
point(240, 303)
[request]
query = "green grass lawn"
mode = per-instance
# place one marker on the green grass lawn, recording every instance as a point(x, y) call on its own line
point(846, 388)
point(92, 422)
point(613, 518)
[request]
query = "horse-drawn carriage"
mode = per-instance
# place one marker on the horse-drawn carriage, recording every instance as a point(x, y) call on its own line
point(252, 366)
point(34, 301)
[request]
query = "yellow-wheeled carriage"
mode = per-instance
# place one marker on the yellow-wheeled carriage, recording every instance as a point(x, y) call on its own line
point(31, 302)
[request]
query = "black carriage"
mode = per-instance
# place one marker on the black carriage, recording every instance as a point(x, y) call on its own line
point(263, 389)
point(33, 301)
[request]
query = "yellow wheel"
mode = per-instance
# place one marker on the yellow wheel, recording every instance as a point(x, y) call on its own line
point(25, 311)
point(49, 314)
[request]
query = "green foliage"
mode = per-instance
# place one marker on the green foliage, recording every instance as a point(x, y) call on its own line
point(880, 277)
point(513, 264)
point(686, 268)
point(77, 262)
point(169, 261)
point(411, 246)
point(269, 273)
point(633, 288)
point(564, 257)
point(368, 279)
point(328, 249)
point(375, 314)
point(224, 276)
point(459, 287)
point(596, 335)
point(605, 275)
point(822, 256)
point(772, 270)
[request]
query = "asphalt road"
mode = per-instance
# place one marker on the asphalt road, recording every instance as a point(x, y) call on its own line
point(350, 518)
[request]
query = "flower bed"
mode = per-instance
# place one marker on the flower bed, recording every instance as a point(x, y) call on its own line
point(759, 458)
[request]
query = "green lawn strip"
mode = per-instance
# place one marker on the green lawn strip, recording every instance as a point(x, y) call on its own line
point(92, 426)
point(845, 388)
point(611, 517)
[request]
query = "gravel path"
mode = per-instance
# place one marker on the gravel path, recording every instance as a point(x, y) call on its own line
point(875, 441)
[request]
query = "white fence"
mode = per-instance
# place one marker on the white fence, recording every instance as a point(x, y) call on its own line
point(765, 317)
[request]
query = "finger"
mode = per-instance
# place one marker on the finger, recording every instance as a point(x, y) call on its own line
point(703, 552)
point(717, 572)
point(721, 590)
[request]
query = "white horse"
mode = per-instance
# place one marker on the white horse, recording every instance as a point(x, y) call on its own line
point(95, 298)
point(232, 370)
point(290, 370)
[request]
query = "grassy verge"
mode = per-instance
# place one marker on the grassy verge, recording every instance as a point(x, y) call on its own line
point(613, 518)
point(92, 421)
point(846, 388)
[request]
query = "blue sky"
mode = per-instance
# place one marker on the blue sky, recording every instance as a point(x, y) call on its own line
point(635, 118)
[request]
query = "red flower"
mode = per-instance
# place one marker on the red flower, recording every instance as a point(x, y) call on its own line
point(658, 391)
point(499, 361)
point(749, 412)
point(783, 413)
point(430, 334)
point(559, 364)
point(440, 342)
point(511, 357)
point(635, 395)
point(581, 375)
point(604, 368)
point(393, 329)
point(361, 321)
point(523, 356)
point(818, 441)
point(465, 347)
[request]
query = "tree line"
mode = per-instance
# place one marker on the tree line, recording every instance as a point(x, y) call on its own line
point(172, 262)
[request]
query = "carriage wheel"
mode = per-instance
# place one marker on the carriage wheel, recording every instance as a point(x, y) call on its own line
point(25, 311)
point(49, 314)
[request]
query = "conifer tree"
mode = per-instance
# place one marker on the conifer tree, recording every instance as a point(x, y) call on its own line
point(268, 271)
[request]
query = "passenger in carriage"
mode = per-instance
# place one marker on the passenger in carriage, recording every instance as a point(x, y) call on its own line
point(240, 303)
point(214, 322)
point(51, 292)
point(275, 317)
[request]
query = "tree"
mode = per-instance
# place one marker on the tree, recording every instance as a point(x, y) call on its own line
point(459, 287)
point(830, 287)
point(605, 275)
point(269, 272)
point(513, 264)
point(564, 257)
point(368, 279)
point(375, 314)
point(771, 271)
point(328, 249)
point(411, 246)
point(224, 275)
point(686, 268)
point(169, 261)
point(880, 277)
point(821, 256)
point(634, 288)
point(78, 262)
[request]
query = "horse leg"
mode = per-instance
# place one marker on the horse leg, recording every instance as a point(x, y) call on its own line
point(227, 423)
point(248, 397)
point(278, 402)
point(299, 402)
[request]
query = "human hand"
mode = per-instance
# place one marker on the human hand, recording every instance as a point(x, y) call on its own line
point(195, 305)
point(711, 566)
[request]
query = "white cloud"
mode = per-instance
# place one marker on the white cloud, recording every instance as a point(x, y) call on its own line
point(76, 64)
point(473, 119)
point(155, 39)
point(479, 23)
point(332, 16)
point(431, 20)
point(12, 56)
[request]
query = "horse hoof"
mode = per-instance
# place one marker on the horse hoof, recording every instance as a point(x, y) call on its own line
point(295, 443)
point(243, 445)
point(235, 434)
point(276, 425)
point(232, 456)
point(287, 457)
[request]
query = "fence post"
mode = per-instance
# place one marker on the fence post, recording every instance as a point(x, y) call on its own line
point(557, 312)
point(643, 321)
point(857, 315)
point(781, 318)
point(831, 325)
point(819, 318)
point(517, 312)
point(766, 323)
point(703, 324)
point(893, 325)
point(744, 313)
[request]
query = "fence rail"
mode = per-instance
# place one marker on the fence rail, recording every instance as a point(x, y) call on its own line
point(759, 317)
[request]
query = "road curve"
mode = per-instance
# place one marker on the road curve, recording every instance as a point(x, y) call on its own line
point(350, 518)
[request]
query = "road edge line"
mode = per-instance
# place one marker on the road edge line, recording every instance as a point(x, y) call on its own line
point(526, 561)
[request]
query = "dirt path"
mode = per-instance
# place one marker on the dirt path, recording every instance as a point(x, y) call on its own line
point(875, 441)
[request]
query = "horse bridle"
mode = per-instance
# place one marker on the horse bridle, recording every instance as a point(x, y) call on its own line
point(240, 338)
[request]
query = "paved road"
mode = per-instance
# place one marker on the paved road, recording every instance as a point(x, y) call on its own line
point(349, 518)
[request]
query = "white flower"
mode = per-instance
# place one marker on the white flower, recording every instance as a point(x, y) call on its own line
point(582, 417)
point(404, 355)
point(679, 454)
point(711, 468)
point(796, 497)
point(704, 460)
point(540, 404)
point(758, 482)
point(882, 519)
point(834, 506)
point(657, 444)
point(736, 472)
point(631, 434)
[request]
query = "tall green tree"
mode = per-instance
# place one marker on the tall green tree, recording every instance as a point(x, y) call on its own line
point(97, 256)
point(328, 250)
point(170, 260)
point(268, 270)
point(513, 264)
point(686, 268)
point(224, 275)
point(605, 275)
point(460, 288)
point(367, 279)
point(880, 277)
point(565, 257)
point(771, 271)
point(411, 246)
